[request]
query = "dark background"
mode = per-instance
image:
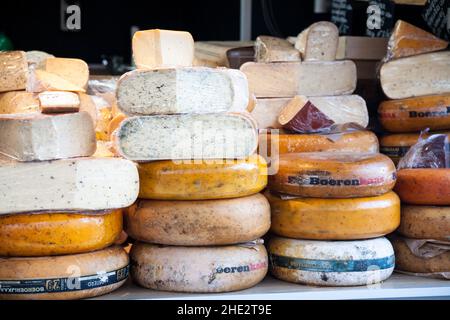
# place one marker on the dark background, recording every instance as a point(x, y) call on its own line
point(105, 25)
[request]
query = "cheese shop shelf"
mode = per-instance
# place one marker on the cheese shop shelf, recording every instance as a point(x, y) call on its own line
point(397, 287)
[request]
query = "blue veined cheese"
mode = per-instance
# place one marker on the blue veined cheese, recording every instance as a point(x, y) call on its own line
point(331, 263)
point(182, 90)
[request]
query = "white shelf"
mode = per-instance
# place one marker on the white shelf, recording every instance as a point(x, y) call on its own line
point(397, 287)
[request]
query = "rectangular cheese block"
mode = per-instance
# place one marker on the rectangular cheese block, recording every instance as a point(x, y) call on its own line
point(312, 78)
point(318, 42)
point(13, 70)
point(182, 90)
point(421, 75)
point(18, 102)
point(190, 136)
point(361, 48)
point(162, 48)
point(272, 49)
point(342, 109)
point(75, 71)
point(67, 185)
point(58, 101)
point(35, 136)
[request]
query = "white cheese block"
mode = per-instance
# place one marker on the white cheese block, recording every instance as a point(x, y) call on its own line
point(331, 263)
point(318, 42)
point(312, 78)
point(272, 49)
point(67, 185)
point(58, 101)
point(201, 136)
point(35, 136)
point(420, 75)
point(162, 48)
point(182, 90)
point(13, 70)
point(198, 269)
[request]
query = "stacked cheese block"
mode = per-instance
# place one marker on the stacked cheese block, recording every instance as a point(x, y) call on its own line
point(417, 78)
point(199, 210)
point(59, 206)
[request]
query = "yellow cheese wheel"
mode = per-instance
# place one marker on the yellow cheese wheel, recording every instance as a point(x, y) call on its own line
point(200, 222)
point(425, 222)
point(335, 219)
point(214, 179)
point(333, 175)
point(198, 269)
point(56, 233)
point(65, 277)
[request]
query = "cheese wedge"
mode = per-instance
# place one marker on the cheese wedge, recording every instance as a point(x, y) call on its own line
point(67, 185)
point(162, 48)
point(421, 75)
point(31, 137)
point(425, 222)
point(75, 71)
point(41, 80)
point(272, 49)
point(36, 59)
point(13, 71)
point(58, 101)
point(182, 90)
point(287, 79)
point(18, 102)
point(318, 42)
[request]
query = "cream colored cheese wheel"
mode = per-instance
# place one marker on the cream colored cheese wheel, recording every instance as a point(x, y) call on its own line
point(331, 263)
point(199, 223)
point(63, 277)
point(198, 269)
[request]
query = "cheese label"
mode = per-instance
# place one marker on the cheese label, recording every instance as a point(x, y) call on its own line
point(332, 265)
point(54, 285)
point(437, 113)
point(324, 178)
point(394, 151)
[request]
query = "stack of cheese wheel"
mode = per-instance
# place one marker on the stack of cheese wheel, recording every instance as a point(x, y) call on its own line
point(416, 77)
point(60, 208)
point(329, 213)
point(199, 214)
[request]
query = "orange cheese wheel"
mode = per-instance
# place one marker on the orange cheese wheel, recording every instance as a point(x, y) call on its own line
point(333, 175)
point(55, 233)
point(199, 223)
point(209, 179)
point(425, 222)
point(424, 186)
point(65, 277)
point(415, 114)
point(335, 219)
point(354, 141)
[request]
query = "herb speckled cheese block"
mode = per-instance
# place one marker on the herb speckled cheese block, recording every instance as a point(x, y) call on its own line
point(65, 277)
point(331, 263)
point(421, 75)
point(333, 175)
point(215, 179)
point(334, 219)
point(273, 49)
point(18, 102)
point(35, 136)
point(416, 114)
point(13, 71)
point(58, 233)
point(190, 136)
point(76, 184)
point(182, 90)
point(198, 269)
point(425, 222)
point(319, 41)
point(199, 223)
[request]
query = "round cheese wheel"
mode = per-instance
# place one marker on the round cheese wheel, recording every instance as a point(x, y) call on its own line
point(56, 233)
point(331, 263)
point(198, 269)
point(415, 114)
point(335, 219)
point(406, 260)
point(208, 179)
point(65, 277)
point(333, 175)
point(424, 186)
point(199, 223)
point(425, 222)
point(352, 141)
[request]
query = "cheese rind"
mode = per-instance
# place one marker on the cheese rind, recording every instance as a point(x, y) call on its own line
point(335, 219)
point(198, 269)
point(311, 78)
point(199, 223)
point(215, 179)
point(331, 263)
point(58, 102)
point(67, 185)
point(13, 71)
point(65, 277)
point(57, 233)
point(18, 102)
point(273, 49)
point(318, 42)
point(31, 137)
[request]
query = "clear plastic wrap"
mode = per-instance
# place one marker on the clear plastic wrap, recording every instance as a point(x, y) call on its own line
point(13, 71)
